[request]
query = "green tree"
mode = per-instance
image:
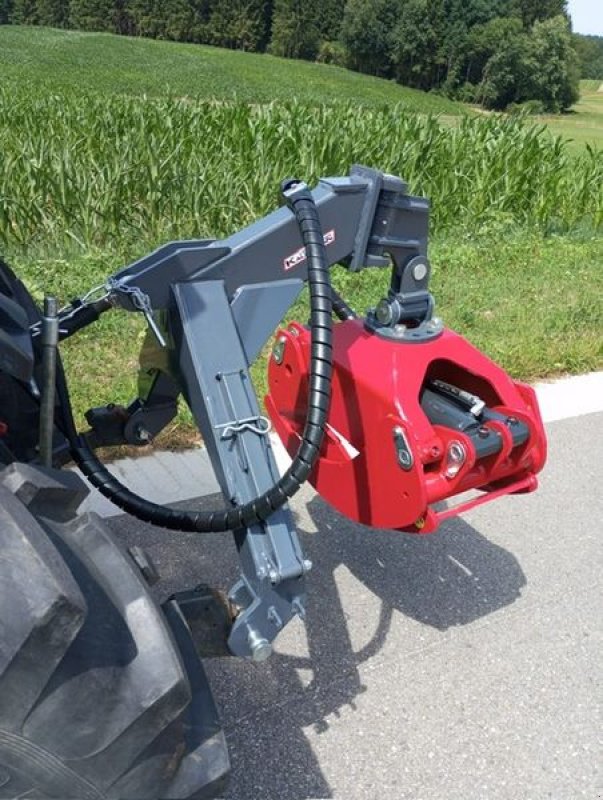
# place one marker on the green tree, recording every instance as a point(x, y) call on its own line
point(368, 33)
point(92, 15)
point(328, 16)
point(507, 74)
point(6, 7)
point(295, 31)
point(452, 33)
point(200, 30)
point(240, 24)
point(537, 65)
point(589, 50)
point(554, 73)
point(175, 20)
point(24, 12)
point(414, 46)
point(486, 40)
point(479, 12)
point(531, 11)
point(449, 23)
point(54, 13)
point(160, 20)
point(122, 19)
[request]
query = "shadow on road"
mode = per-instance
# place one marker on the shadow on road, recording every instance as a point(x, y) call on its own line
point(450, 578)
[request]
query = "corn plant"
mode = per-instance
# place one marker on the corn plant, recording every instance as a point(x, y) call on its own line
point(80, 168)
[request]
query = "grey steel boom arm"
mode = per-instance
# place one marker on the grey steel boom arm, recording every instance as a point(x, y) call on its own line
point(366, 217)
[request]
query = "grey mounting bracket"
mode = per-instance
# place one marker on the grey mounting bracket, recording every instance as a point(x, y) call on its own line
point(406, 313)
point(219, 391)
point(424, 332)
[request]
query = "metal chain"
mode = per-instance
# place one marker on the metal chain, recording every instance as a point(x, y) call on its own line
point(140, 301)
point(67, 312)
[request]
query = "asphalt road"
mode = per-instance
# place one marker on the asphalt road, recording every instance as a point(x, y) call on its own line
point(462, 665)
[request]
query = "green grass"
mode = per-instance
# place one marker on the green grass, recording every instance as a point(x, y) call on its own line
point(583, 125)
point(529, 302)
point(57, 60)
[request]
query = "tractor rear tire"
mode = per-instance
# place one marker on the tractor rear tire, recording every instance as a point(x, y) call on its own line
point(102, 695)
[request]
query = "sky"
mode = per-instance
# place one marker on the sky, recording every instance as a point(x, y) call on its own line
point(587, 16)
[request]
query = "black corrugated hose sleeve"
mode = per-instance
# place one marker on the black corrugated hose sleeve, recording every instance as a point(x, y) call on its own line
point(302, 204)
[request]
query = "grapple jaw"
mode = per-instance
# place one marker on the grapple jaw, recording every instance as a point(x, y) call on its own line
point(411, 425)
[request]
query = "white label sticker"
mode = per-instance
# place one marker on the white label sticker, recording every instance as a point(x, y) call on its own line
point(300, 255)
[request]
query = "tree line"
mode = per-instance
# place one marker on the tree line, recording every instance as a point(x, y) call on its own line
point(590, 56)
point(498, 53)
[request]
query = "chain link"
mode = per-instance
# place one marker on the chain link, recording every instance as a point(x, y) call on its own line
point(140, 301)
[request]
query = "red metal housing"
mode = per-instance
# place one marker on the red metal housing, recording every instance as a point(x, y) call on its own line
point(377, 384)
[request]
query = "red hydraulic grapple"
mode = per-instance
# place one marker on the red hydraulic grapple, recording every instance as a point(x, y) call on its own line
point(417, 415)
point(410, 425)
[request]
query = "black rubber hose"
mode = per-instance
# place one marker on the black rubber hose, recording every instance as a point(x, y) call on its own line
point(301, 202)
point(340, 308)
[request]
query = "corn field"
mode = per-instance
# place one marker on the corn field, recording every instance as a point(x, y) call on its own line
point(95, 171)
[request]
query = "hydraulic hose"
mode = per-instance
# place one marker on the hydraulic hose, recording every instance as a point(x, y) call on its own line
point(340, 308)
point(301, 202)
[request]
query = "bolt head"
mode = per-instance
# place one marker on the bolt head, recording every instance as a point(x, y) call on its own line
point(383, 312)
point(262, 651)
point(142, 434)
point(260, 647)
point(419, 271)
point(278, 351)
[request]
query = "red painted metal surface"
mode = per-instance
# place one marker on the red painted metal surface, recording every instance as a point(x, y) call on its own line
point(376, 389)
